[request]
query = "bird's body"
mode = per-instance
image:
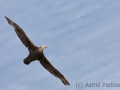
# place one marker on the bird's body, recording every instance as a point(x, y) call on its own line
point(33, 55)
point(36, 53)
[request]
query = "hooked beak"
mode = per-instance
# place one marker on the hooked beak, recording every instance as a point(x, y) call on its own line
point(45, 46)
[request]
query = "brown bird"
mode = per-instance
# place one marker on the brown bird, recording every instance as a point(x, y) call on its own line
point(36, 53)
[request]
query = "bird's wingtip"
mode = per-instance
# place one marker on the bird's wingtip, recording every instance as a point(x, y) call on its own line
point(10, 21)
point(5, 17)
point(65, 82)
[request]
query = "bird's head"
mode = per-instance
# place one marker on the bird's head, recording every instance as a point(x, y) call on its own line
point(43, 47)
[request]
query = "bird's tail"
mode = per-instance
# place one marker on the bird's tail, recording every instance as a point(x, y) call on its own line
point(27, 60)
point(64, 81)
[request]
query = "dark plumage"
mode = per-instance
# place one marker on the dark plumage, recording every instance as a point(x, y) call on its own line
point(36, 53)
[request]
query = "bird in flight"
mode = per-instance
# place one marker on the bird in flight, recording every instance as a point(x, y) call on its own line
point(36, 53)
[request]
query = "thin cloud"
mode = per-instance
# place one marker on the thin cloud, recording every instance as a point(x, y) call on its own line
point(82, 37)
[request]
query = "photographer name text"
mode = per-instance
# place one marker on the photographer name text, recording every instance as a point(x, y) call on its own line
point(96, 85)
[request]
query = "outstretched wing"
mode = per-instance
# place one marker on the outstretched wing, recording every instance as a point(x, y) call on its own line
point(21, 34)
point(47, 65)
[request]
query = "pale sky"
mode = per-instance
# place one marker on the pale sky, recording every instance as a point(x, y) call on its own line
point(83, 39)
